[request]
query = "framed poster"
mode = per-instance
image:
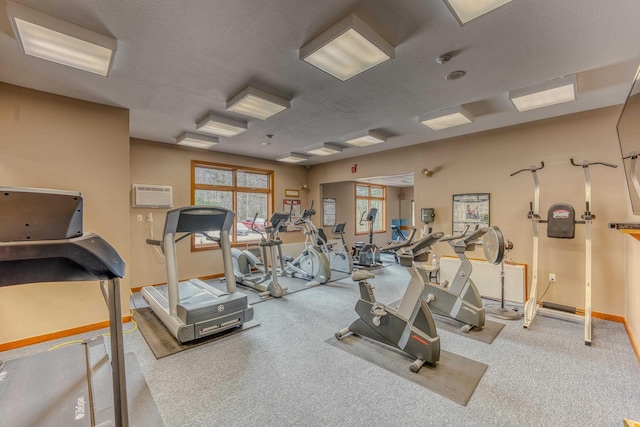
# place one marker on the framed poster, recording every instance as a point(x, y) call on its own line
point(328, 212)
point(470, 209)
point(291, 193)
point(293, 206)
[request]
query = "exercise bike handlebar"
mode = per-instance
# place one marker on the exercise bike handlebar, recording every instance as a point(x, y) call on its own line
point(476, 235)
point(533, 168)
point(427, 241)
point(457, 236)
point(586, 164)
point(402, 243)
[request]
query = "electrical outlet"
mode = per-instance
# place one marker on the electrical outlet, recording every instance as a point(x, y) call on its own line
point(149, 217)
point(139, 218)
point(552, 277)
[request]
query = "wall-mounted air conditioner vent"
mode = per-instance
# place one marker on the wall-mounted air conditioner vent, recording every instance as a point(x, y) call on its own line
point(152, 196)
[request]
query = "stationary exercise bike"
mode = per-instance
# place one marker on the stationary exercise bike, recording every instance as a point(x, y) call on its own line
point(367, 254)
point(401, 242)
point(250, 271)
point(409, 327)
point(461, 300)
point(339, 255)
point(312, 264)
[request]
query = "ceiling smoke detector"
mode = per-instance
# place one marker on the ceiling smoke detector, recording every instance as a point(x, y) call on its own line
point(444, 58)
point(455, 75)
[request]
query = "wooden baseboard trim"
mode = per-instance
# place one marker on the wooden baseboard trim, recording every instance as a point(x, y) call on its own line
point(634, 343)
point(209, 277)
point(56, 335)
point(605, 316)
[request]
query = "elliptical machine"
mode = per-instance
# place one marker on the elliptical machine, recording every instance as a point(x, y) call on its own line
point(461, 300)
point(367, 254)
point(409, 327)
point(312, 264)
point(265, 280)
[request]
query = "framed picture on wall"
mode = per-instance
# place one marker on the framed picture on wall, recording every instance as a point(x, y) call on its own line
point(293, 206)
point(328, 212)
point(291, 193)
point(470, 209)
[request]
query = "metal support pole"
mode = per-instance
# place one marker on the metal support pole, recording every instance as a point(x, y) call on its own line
point(587, 275)
point(117, 354)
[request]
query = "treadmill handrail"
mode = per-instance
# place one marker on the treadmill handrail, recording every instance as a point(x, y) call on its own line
point(195, 219)
point(85, 258)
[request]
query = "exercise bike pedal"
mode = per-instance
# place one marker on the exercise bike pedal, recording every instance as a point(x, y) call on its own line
point(378, 312)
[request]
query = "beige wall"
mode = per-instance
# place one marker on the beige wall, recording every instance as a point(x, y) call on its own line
point(345, 207)
point(344, 193)
point(482, 163)
point(50, 141)
point(166, 164)
point(56, 142)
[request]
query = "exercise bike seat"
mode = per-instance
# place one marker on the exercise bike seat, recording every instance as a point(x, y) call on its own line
point(359, 275)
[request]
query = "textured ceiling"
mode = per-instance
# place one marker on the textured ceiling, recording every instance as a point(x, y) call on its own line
point(179, 60)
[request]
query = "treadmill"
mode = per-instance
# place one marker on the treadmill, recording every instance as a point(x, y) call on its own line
point(192, 309)
point(42, 240)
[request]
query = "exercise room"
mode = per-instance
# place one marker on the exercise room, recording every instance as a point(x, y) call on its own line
point(335, 213)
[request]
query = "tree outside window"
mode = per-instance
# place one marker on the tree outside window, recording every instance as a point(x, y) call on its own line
point(245, 191)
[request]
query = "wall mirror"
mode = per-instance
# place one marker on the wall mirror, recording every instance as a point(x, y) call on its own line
point(629, 136)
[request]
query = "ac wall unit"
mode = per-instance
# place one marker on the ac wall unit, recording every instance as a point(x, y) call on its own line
point(152, 196)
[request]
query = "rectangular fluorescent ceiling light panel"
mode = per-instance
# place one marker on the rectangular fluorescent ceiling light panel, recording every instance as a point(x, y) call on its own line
point(292, 158)
point(324, 149)
point(449, 117)
point(59, 41)
point(468, 10)
point(195, 140)
point(347, 49)
point(221, 126)
point(367, 139)
point(545, 94)
point(256, 103)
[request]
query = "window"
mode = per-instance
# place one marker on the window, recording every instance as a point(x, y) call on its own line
point(246, 191)
point(367, 197)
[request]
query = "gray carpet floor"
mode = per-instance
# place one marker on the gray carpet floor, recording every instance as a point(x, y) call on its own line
point(283, 373)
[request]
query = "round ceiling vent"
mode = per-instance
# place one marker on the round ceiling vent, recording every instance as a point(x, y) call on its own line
point(455, 75)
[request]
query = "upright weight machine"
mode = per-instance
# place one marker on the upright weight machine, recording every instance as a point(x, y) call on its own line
point(561, 224)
